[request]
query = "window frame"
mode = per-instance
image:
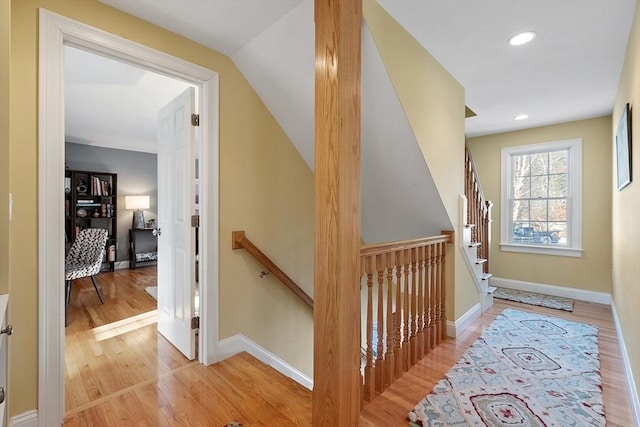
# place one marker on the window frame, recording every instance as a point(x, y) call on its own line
point(574, 198)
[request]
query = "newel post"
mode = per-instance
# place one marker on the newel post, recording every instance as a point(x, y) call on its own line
point(336, 391)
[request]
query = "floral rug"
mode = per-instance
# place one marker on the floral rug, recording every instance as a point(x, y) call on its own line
point(525, 370)
point(533, 298)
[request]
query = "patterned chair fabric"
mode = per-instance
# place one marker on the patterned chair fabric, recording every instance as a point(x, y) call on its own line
point(85, 256)
point(85, 259)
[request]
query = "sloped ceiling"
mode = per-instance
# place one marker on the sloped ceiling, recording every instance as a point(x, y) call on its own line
point(113, 104)
point(569, 72)
point(394, 172)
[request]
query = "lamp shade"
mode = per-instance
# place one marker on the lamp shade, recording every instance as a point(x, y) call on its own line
point(136, 202)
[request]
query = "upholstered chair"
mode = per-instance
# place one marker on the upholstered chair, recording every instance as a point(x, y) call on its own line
point(85, 259)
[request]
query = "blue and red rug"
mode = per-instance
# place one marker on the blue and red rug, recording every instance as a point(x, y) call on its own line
point(525, 370)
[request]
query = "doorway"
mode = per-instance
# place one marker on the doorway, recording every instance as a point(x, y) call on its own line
point(111, 111)
point(55, 32)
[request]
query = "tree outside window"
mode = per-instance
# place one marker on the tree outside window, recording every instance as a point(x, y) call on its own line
point(541, 195)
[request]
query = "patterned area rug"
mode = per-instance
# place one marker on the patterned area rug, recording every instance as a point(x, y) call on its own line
point(525, 370)
point(533, 298)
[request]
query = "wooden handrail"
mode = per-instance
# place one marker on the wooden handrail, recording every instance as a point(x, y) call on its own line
point(380, 248)
point(478, 209)
point(405, 306)
point(240, 241)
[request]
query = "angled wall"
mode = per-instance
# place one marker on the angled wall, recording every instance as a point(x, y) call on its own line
point(433, 102)
point(265, 189)
point(399, 198)
point(625, 208)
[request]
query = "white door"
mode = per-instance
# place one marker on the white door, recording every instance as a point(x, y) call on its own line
point(176, 204)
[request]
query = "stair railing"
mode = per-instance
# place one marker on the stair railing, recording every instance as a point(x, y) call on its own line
point(478, 209)
point(240, 241)
point(405, 307)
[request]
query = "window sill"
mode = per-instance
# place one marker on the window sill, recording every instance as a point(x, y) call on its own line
point(541, 249)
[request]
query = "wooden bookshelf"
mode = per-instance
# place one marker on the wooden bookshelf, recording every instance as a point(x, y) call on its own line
point(91, 202)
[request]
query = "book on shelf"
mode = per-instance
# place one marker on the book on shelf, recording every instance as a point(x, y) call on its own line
point(100, 187)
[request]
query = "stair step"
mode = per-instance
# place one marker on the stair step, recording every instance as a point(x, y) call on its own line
point(485, 276)
point(481, 261)
point(474, 244)
point(491, 289)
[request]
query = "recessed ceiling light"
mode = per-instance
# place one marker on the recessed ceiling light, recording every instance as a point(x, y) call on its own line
point(521, 117)
point(522, 38)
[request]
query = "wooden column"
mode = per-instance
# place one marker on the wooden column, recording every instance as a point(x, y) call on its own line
point(336, 389)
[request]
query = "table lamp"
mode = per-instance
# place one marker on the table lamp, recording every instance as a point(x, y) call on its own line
point(138, 203)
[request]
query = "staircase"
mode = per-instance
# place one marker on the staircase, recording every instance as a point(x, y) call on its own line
point(475, 223)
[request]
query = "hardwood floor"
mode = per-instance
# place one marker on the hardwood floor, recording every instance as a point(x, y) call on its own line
point(122, 373)
point(391, 407)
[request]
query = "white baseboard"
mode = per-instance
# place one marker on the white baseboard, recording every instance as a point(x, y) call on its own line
point(558, 291)
point(239, 343)
point(121, 265)
point(454, 329)
point(227, 348)
point(27, 419)
point(633, 391)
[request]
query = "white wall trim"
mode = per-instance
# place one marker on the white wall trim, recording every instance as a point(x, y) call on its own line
point(55, 31)
point(239, 343)
point(26, 419)
point(558, 291)
point(574, 197)
point(454, 329)
point(633, 391)
point(121, 265)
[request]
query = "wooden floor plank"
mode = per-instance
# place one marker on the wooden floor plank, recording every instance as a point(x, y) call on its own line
point(136, 378)
point(120, 375)
point(391, 407)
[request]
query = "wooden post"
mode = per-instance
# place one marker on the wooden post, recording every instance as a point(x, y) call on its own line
point(336, 388)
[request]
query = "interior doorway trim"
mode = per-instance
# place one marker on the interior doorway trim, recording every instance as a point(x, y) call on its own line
point(54, 32)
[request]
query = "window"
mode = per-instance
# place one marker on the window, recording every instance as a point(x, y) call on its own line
point(541, 206)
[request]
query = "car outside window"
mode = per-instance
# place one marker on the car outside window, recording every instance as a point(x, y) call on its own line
point(541, 198)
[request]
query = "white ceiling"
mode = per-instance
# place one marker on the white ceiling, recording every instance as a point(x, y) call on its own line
point(569, 72)
point(113, 104)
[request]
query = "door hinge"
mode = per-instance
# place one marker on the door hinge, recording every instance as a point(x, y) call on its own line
point(195, 120)
point(195, 322)
point(195, 221)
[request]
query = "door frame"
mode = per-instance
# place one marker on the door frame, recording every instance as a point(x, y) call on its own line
point(55, 31)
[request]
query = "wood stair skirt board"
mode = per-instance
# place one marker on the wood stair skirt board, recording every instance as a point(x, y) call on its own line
point(227, 347)
point(558, 291)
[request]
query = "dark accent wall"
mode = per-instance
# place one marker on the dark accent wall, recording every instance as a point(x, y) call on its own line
point(137, 175)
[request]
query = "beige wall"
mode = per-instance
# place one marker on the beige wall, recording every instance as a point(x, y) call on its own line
point(265, 189)
point(592, 271)
point(5, 52)
point(434, 104)
point(625, 208)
